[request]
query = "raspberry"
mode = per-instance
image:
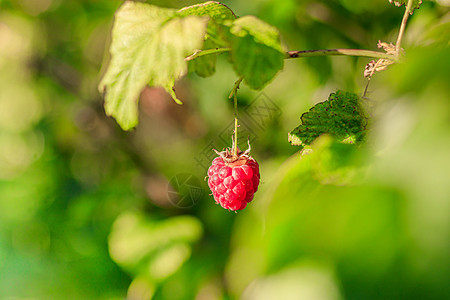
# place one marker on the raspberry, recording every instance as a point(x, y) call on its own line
point(233, 179)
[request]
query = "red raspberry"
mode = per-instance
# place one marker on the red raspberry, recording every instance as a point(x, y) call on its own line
point(233, 180)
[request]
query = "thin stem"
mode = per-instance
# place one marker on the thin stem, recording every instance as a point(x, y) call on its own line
point(235, 148)
point(402, 27)
point(199, 53)
point(235, 87)
point(397, 44)
point(346, 52)
point(234, 95)
point(306, 53)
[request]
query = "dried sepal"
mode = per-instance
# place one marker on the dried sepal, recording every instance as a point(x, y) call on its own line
point(377, 66)
point(382, 63)
point(389, 48)
point(229, 156)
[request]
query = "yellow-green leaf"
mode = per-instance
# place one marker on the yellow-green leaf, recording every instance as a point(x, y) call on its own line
point(148, 46)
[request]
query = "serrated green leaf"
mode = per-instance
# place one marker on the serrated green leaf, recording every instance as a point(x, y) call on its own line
point(415, 4)
point(148, 46)
point(215, 10)
point(219, 13)
point(341, 116)
point(256, 52)
point(262, 32)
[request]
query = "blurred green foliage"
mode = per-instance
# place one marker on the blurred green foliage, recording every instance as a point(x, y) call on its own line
point(84, 207)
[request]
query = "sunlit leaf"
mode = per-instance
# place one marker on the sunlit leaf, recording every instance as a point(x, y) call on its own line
point(148, 46)
point(341, 116)
point(219, 13)
point(256, 51)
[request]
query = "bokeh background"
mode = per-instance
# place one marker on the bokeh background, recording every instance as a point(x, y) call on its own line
point(87, 211)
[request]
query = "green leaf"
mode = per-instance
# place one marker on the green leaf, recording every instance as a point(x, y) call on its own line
point(205, 66)
point(262, 32)
point(415, 4)
point(215, 10)
point(148, 46)
point(256, 51)
point(169, 89)
point(219, 13)
point(341, 116)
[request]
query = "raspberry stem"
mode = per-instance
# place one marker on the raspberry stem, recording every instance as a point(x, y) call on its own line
point(234, 95)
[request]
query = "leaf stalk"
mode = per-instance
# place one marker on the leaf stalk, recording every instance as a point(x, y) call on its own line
point(234, 95)
point(199, 53)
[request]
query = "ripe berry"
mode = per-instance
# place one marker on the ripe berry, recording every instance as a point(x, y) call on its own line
point(233, 179)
